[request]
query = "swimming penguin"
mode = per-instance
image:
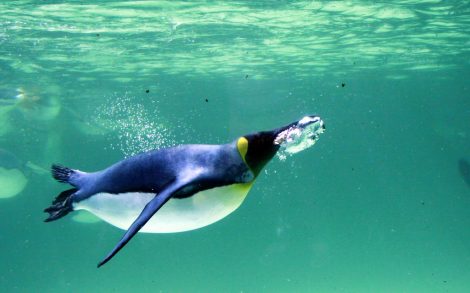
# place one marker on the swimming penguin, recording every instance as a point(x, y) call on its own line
point(190, 186)
point(13, 177)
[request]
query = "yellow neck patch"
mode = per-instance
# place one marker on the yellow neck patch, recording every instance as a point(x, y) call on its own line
point(242, 146)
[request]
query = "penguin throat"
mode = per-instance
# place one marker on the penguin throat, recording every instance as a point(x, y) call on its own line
point(260, 149)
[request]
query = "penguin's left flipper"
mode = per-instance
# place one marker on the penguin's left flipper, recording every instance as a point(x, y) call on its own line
point(150, 209)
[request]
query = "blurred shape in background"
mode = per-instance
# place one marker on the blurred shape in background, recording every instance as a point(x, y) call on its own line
point(464, 168)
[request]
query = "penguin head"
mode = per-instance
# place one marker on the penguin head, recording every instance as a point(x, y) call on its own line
point(257, 149)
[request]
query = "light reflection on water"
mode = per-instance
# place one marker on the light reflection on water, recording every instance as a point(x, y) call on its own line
point(229, 37)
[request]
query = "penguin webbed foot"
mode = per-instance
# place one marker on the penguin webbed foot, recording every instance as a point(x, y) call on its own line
point(61, 206)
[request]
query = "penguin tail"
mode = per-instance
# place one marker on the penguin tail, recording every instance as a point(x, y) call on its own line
point(61, 173)
point(61, 206)
point(73, 177)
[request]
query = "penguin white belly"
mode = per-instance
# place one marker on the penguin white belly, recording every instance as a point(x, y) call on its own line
point(177, 215)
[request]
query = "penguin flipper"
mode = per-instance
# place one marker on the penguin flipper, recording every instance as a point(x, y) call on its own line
point(150, 209)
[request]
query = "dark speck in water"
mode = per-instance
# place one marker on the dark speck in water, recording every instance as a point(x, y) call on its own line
point(246, 76)
point(206, 100)
point(147, 91)
point(343, 84)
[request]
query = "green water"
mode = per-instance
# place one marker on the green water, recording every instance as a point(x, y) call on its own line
point(379, 204)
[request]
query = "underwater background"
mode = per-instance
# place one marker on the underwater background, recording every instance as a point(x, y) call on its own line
point(380, 204)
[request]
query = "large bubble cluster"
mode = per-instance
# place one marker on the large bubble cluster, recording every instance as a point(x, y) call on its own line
point(299, 137)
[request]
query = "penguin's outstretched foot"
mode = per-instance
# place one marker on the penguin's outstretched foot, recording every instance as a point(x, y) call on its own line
point(61, 206)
